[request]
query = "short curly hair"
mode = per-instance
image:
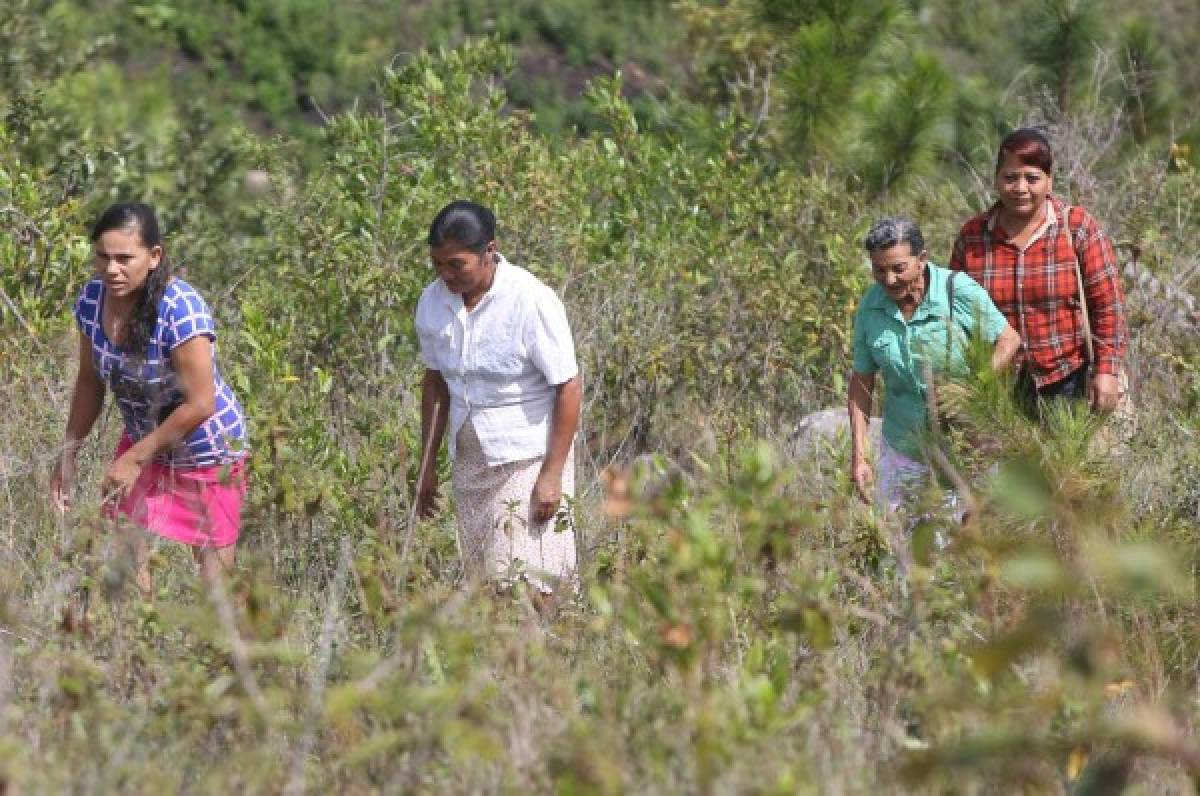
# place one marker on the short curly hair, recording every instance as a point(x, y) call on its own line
point(892, 230)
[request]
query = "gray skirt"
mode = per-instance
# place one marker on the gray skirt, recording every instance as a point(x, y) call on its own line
point(497, 536)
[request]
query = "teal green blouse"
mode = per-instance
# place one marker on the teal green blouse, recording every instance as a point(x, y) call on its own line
point(886, 343)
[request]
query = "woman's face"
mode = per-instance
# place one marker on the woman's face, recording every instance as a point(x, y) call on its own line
point(123, 261)
point(463, 271)
point(897, 270)
point(1022, 189)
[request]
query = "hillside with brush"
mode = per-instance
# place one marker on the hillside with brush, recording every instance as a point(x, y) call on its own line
point(694, 179)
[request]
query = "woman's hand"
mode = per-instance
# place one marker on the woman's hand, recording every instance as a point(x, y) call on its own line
point(120, 476)
point(547, 493)
point(1104, 392)
point(863, 477)
point(62, 480)
point(427, 497)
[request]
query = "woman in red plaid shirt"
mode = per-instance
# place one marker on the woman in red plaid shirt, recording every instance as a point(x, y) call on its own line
point(1023, 250)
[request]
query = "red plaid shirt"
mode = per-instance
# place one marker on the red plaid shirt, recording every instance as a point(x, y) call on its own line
point(1037, 291)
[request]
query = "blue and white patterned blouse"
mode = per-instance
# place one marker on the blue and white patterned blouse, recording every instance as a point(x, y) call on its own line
point(148, 391)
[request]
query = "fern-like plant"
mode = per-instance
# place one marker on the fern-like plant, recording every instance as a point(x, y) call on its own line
point(1060, 40)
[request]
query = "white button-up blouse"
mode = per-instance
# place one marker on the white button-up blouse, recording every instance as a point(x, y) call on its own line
point(501, 361)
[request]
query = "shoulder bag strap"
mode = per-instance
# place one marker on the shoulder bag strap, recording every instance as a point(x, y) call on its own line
point(931, 401)
point(1083, 305)
point(950, 316)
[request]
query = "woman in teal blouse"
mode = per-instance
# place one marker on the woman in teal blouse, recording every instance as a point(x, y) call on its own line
point(901, 325)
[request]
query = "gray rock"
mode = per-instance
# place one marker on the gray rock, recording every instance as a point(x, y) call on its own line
point(826, 429)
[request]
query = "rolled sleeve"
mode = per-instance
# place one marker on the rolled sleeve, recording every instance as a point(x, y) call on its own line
point(427, 357)
point(187, 317)
point(87, 307)
point(548, 339)
point(427, 338)
point(427, 346)
point(863, 361)
point(973, 302)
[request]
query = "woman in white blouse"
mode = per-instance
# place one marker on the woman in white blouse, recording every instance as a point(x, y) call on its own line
point(501, 371)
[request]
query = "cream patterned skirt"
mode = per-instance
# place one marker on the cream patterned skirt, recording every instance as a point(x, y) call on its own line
point(496, 534)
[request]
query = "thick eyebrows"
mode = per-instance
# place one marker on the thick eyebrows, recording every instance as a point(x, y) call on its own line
point(119, 252)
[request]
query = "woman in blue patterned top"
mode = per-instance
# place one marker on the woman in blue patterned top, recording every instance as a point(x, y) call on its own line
point(149, 339)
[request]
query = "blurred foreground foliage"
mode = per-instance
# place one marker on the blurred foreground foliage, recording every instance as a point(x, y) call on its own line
point(745, 625)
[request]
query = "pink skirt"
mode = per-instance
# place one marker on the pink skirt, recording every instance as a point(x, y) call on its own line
point(199, 506)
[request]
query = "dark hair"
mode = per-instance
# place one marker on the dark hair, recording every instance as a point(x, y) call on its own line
point(1030, 146)
point(127, 215)
point(891, 231)
point(468, 224)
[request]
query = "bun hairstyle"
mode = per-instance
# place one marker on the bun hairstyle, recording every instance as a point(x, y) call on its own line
point(129, 215)
point(1031, 147)
point(468, 224)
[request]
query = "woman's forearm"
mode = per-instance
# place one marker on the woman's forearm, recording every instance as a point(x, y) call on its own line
point(435, 412)
point(86, 402)
point(192, 361)
point(1006, 348)
point(862, 387)
point(87, 399)
point(183, 420)
point(563, 424)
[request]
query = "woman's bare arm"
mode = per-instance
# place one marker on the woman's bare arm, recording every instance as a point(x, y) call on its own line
point(435, 412)
point(547, 490)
